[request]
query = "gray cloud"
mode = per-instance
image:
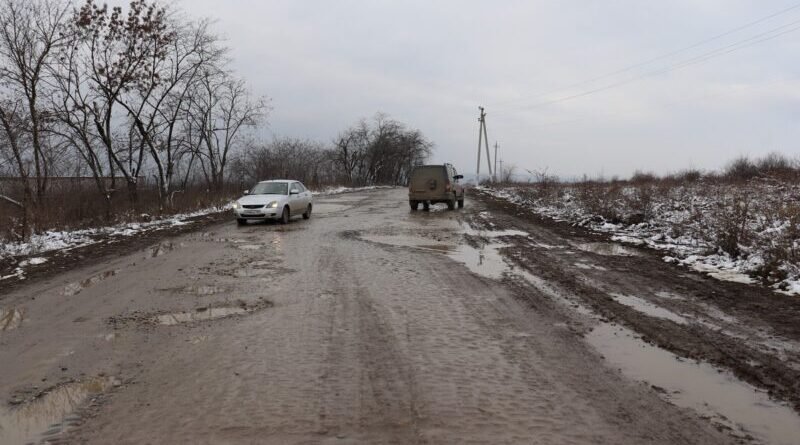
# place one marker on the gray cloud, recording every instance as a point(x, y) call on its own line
point(430, 64)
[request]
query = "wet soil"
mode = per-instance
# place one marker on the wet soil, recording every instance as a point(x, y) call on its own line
point(106, 247)
point(369, 323)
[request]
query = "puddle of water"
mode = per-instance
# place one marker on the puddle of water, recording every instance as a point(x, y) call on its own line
point(485, 261)
point(76, 288)
point(714, 394)
point(648, 308)
point(203, 290)
point(437, 247)
point(325, 208)
point(669, 296)
point(49, 415)
point(587, 266)
point(468, 230)
point(10, 319)
point(251, 247)
point(198, 315)
point(606, 249)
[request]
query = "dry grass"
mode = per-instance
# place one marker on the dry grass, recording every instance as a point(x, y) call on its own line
point(71, 206)
point(750, 211)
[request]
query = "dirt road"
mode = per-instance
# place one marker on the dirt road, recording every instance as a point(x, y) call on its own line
point(372, 324)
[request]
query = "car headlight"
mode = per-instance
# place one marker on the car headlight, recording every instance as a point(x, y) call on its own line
point(272, 205)
point(235, 205)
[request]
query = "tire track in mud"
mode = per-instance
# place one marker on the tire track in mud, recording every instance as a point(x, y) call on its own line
point(384, 400)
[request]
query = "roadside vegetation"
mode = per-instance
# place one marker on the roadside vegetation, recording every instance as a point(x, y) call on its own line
point(742, 223)
point(111, 115)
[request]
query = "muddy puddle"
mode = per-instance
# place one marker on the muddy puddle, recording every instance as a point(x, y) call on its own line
point(588, 266)
point(483, 258)
point(727, 402)
point(47, 416)
point(250, 246)
point(648, 308)
point(204, 290)
point(10, 319)
point(162, 249)
point(201, 314)
point(606, 249)
point(76, 287)
point(209, 313)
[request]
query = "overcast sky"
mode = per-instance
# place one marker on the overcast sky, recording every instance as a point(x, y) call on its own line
point(326, 64)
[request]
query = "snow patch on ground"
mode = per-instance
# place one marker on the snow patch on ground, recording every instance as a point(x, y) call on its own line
point(686, 246)
point(70, 239)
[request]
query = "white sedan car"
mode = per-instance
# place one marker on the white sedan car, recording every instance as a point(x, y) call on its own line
point(273, 200)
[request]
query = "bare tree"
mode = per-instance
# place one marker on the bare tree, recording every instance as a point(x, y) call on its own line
point(220, 108)
point(30, 35)
point(159, 108)
point(114, 54)
point(382, 152)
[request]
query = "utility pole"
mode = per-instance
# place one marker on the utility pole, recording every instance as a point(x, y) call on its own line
point(501, 171)
point(483, 138)
point(495, 162)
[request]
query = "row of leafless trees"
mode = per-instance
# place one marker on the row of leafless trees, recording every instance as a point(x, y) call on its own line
point(377, 151)
point(113, 93)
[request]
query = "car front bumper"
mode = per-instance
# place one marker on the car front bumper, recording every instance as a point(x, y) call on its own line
point(255, 214)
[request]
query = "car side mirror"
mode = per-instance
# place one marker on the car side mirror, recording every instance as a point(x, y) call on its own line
point(294, 192)
point(246, 192)
point(457, 177)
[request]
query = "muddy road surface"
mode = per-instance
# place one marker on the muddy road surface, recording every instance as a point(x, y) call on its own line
point(369, 323)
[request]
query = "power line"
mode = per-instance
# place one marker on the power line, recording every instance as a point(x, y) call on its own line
point(750, 41)
point(657, 58)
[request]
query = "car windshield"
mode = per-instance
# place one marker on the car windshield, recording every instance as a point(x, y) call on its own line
point(270, 188)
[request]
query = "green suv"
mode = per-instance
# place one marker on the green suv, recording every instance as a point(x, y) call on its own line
point(431, 184)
